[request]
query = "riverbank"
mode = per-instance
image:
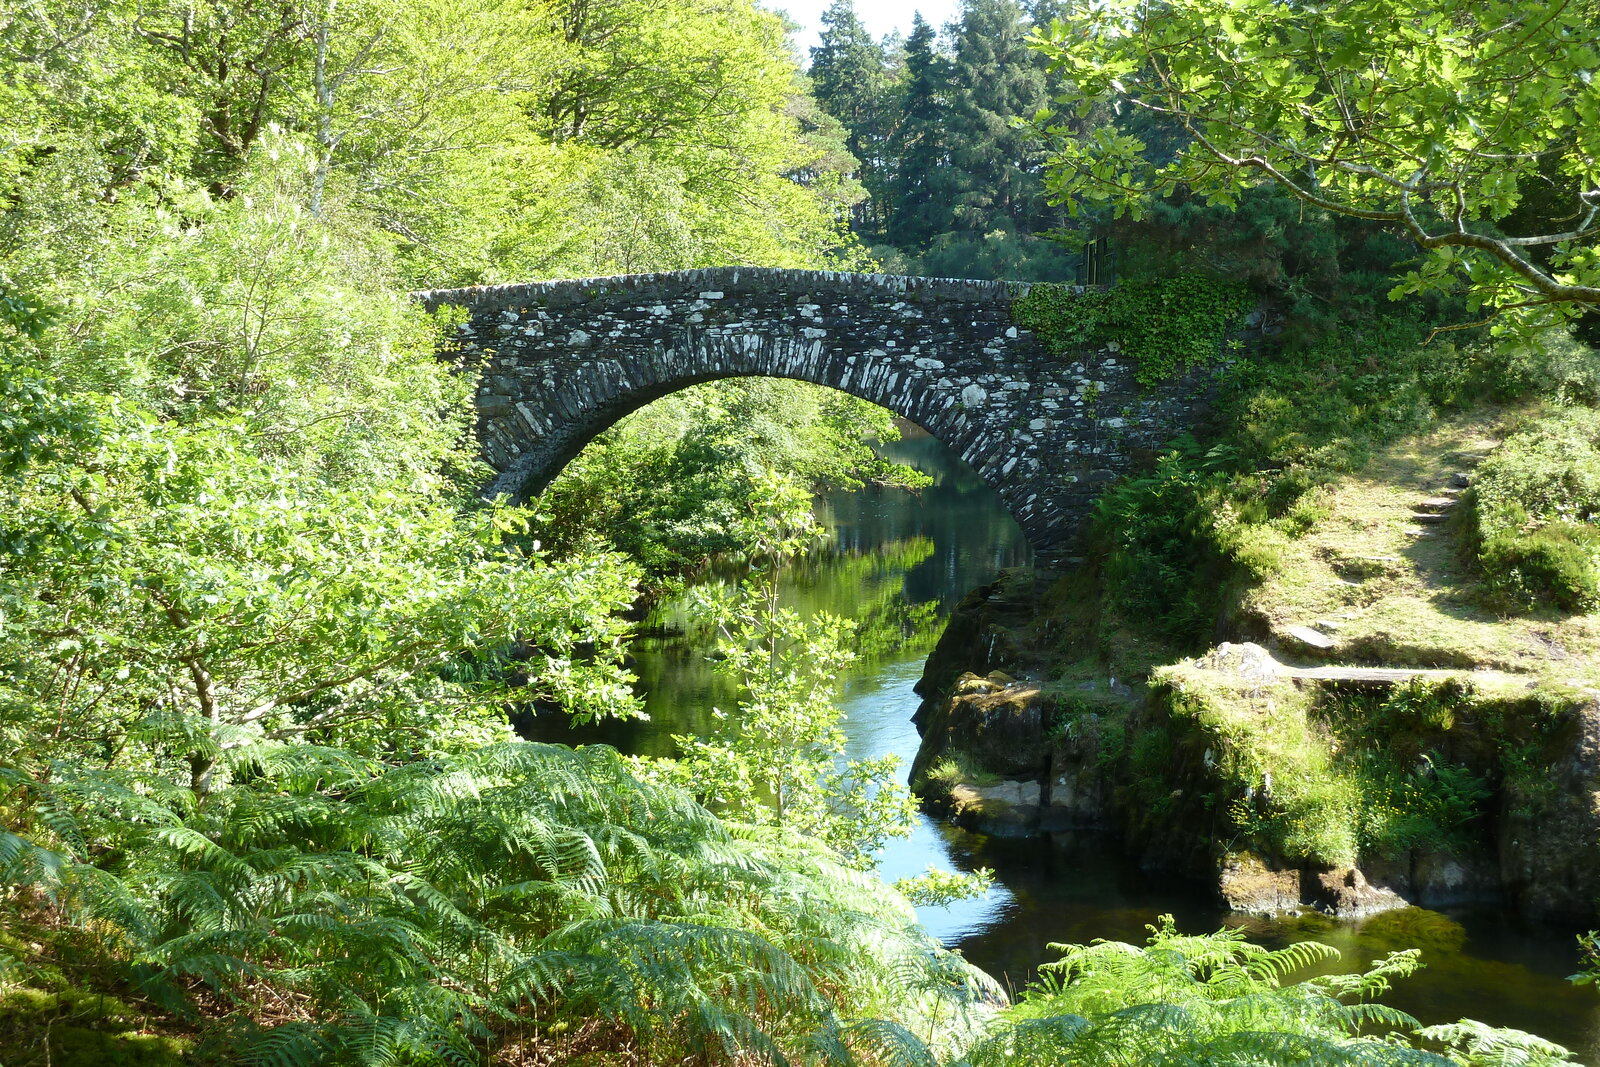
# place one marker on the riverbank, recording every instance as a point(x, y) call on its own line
point(893, 551)
point(1366, 730)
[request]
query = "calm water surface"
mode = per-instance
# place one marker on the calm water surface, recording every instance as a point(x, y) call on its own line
point(898, 564)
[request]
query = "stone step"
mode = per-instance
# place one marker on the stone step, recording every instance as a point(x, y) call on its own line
point(1310, 638)
point(1460, 480)
point(1430, 518)
point(1437, 503)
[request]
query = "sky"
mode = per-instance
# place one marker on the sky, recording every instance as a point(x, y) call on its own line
point(880, 16)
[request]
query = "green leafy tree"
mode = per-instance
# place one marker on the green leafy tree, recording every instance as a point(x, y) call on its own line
point(252, 308)
point(778, 756)
point(1589, 954)
point(236, 62)
point(668, 484)
point(414, 121)
point(1441, 120)
point(675, 144)
point(171, 596)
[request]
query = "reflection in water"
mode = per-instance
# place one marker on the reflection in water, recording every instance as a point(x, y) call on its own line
point(897, 565)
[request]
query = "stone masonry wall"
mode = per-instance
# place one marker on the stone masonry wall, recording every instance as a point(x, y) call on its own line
point(561, 361)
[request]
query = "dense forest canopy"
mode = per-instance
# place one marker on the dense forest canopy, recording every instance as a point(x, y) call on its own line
point(954, 181)
point(1471, 128)
point(1466, 129)
point(260, 801)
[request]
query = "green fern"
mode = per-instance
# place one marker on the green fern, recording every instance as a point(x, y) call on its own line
point(1219, 1000)
point(425, 913)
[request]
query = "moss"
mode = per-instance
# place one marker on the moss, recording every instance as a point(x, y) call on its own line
point(1167, 324)
point(1315, 773)
point(81, 1028)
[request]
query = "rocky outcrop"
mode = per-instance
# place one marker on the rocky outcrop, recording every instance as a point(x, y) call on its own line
point(1439, 879)
point(1015, 757)
point(1078, 791)
point(996, 723)
point(1003, 809)
point(1550, 827)
point(985, 633)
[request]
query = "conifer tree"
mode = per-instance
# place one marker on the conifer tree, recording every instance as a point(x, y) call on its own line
point(850, 78)
point(997, 81)
point(920, 146)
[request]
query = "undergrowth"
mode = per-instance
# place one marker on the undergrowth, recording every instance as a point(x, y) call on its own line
point(467, 907)
point(1316, 776)
point(1535, 502)
point(1218, 999)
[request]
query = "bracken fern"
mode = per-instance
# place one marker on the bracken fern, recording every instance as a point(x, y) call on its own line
point(432, 912)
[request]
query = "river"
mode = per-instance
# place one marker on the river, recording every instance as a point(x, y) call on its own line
point(897, 563)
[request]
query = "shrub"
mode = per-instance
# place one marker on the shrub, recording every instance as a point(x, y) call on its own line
point(1557, 562)
point(1534, 504)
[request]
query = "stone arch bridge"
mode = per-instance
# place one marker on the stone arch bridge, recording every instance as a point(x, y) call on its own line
point(561, 361)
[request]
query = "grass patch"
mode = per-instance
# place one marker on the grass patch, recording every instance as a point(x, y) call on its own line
point(1395, 593)
point(940, 780)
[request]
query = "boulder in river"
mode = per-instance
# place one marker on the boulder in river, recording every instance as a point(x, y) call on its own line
point(1344, 892)
point(995, 724)
point(1250, 886)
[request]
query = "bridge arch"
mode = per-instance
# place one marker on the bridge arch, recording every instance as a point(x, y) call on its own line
point(558, 362)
